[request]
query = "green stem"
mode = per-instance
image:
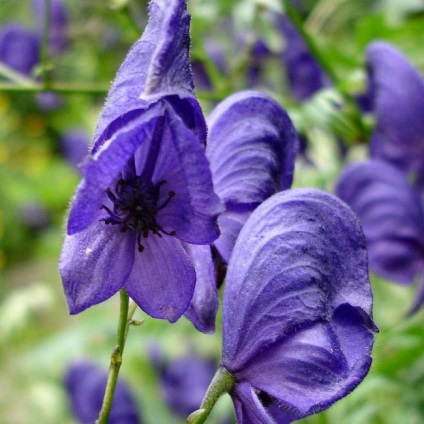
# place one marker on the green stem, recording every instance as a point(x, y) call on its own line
point(222, 382)
point(125, 320)
point(327, 68)
point(32, 87)
point(44, 52)
point(14, 76)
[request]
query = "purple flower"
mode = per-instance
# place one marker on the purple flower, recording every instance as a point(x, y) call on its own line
point(392, 216)
point(304, 74)
point(297, 321)
point(251, 150)
point(147, 189)
point(59, 22)
point(86, 383)
point(398, 91)
point(184, 380)
point(19, 48)
point(74, 145)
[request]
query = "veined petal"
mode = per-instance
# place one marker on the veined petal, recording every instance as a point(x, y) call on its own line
point(391, 215)
point(105, 166)
point(252, 148)
point(299, 256)
point(399, 106)
point(156, 66)
point(181, 161)
point(204, 305)
point(162, 278)
point(249, 409)
point(315, 365)
point(230, 223)
point(94, 265)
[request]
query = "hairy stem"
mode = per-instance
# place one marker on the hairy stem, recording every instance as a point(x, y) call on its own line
point(125, 320)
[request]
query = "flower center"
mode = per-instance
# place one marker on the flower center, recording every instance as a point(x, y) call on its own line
point(135, 205)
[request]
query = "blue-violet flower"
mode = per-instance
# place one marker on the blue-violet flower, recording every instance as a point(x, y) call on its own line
point(398, 101)
point(251, 149)
point(85, 383)
point(297, 320)
point(392, 216)
point(147, 188)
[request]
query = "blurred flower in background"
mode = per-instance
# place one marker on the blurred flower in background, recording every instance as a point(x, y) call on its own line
point(74, 146)
point(85, 383)
point(183, 380)
point(19, 48)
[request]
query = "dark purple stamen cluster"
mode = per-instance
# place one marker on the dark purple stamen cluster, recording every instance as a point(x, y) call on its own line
point(135, 205)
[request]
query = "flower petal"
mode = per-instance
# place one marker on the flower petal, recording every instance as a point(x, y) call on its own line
point(162, 278)
point(391, 215)
point(252, 148)
point(104, 167)
point(156, 66)
point(315, 365)
point(399, 106)
point(94, 265)
point(231, 222)
point(249, 409)
point(204, 305)
point(193, 211)
point(298, 257)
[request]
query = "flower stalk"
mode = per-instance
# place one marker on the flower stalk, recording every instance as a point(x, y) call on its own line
point(222, 383)
point(125, 320)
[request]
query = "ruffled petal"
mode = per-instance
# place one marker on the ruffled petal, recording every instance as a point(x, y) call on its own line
point(391, 215)
point(204, 305)
point(94, 265)
point(156, 66)
point(399, 106)
point(252, 148)
point(105, 166)
point(181, 162)
point(162, 278)
point(315, 365)
point(299, 256)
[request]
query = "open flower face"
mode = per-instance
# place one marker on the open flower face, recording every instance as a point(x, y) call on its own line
point(147, 188)
point(297, 322)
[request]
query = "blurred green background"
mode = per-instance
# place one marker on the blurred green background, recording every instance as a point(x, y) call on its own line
point(38, 338)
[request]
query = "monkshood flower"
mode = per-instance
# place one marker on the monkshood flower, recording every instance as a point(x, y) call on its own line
point(85, 383)
point(252, 149)
point(183, 380)
point(147, 189)
point(398, 91)
point(391, 212)
point(59, 23)
point(304, 74)
point(19, 48)
point(297, 310)
point(74, 146)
